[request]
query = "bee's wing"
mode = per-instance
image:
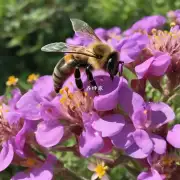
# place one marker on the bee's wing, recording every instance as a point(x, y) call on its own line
point(81, 28)
point(67, 48)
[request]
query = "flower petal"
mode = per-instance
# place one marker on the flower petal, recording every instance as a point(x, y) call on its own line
point(108, 99)
point(152, 175)
point(49, 111)
point(161, 114)
point(143, 141)
point(160, 65)
point(123, 139)
point(29, 105)
point(51, 131)
point(6, 155)
point(173, 136)
point(44, 86)
point(135, 152)
point(90, 142)
point(139, 119)
point(159, 144)
point(109, 125)
point(105, 177)
point(94, 176)
point(91, 166)
point(142, 69)
point(129, 100)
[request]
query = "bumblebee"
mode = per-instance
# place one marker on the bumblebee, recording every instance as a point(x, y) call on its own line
point(96, 56)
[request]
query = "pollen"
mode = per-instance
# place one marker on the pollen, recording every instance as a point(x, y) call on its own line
point(172, 24)
point(101, 170)
point(68, 57)
point(32, 78)
point(12, 81)
point(30, 162)
point(154, 31)
point(145, 111)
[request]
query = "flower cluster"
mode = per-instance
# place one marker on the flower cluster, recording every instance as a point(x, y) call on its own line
point(121, 119)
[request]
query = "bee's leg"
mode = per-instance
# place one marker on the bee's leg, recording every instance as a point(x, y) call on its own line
point(122, 64)
point(78, 80)
point(110, 67)
point(91, 78)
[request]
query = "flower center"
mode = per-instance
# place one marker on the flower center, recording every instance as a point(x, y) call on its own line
point(166, 41)
point(12, 80)
point(101, 170)
point(32, 78)
point(75, 103)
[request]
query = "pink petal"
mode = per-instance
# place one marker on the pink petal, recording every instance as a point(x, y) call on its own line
point(135, 152)
point(173, 136)
point(143, 141)
point(6, 155)
point(109, 125)
point(51, 131)
point(159, 144)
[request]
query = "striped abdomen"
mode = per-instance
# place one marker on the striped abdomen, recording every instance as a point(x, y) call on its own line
point(62, 71)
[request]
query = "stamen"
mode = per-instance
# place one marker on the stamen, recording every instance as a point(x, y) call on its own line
point(154, 31)
point(32, 78)
point(101, 170)
point(12, 80)
point(172, 24)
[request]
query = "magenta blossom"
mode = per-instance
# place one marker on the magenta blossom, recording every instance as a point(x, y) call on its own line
point(154, 66)
point(131, 47)
point(145, 117)
point(35, 108)
point(90, 112)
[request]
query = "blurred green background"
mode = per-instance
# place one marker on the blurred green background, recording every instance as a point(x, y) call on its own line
point(27, 25)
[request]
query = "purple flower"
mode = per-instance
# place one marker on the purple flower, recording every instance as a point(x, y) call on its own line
point(154, 66)
point(86, 110)
point(44, 86)
point(147, 24)
point(42, 171)
point(172, 136)
point(146, 117)
point(12, 139)
point(34, 107)
point(131, 47)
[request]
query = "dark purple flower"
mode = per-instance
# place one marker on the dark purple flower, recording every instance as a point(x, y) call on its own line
point(43, 171)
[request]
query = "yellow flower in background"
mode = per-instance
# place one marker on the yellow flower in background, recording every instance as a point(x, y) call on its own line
point(100, 170)
point(32, 78)
point(12, 81)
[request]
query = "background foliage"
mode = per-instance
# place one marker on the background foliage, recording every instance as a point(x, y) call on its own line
point(27, 25)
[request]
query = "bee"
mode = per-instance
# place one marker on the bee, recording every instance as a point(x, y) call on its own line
point(96, 56)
